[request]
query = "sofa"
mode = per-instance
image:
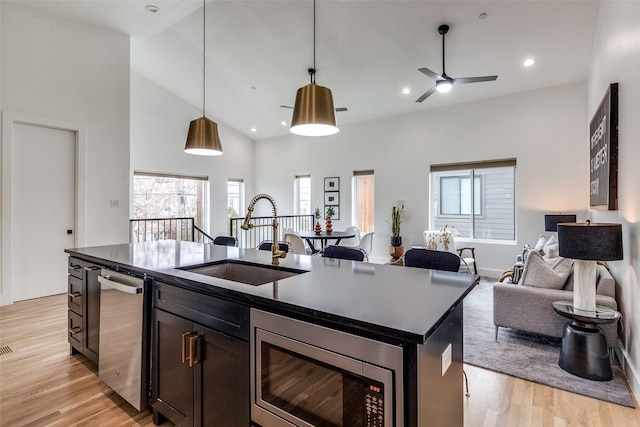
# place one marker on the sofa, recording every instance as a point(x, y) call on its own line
point(528, 308)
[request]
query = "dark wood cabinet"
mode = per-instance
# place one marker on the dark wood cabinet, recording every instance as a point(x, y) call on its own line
point(200, 374)
point(84, 308)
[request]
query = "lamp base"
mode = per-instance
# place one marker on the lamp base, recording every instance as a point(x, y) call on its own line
point(584, 285)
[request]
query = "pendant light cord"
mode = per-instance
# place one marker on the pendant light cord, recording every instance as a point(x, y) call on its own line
point(204, 51)
point(313, 76)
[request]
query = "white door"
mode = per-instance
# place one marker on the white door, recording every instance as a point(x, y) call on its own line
point(43, 206)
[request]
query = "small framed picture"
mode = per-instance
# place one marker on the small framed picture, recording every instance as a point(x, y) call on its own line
point(332, 198)
point(336, 212)
point(332, 184)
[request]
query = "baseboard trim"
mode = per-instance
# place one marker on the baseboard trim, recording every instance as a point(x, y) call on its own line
point(629, 370)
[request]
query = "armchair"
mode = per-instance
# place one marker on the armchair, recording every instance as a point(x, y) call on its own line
point(444, 240)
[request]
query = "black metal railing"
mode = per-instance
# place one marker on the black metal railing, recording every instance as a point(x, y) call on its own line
point(251, 238)
point(150, 229)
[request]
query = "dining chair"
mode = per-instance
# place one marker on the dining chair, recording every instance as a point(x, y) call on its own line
point(351, 242)
point(445, 240)
point(343, 252)
point(435, 260)
point(266, 246)
point(296, 243)
point(366, 244)
point(225, 241)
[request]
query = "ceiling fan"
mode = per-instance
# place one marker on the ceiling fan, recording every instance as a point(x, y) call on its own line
point(444, 82)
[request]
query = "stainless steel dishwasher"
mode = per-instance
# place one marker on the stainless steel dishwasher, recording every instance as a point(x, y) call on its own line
point(122, 335)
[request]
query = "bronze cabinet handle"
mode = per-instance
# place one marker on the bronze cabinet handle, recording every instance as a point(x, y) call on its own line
point(74, 330)
point(184, 347)
point(74, 294)
point(193, 360)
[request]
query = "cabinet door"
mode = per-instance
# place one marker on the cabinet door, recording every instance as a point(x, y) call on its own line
point(222, 380)
point(172, 380)
point(92, 311)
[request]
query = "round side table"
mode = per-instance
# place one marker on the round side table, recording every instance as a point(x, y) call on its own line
point(584, 349)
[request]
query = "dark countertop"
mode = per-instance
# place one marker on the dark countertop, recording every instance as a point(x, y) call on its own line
point(398, 303)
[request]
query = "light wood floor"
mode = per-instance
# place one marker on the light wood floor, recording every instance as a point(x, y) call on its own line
point(41, 385)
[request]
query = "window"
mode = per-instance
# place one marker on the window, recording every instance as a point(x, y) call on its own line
point(487, 186)
point(363, 197)
point(157, 195)
point(235, 198)
point(302, 195)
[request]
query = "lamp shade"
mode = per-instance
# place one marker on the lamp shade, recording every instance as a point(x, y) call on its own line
point(313, 112)
point(203, 138)
point(551, 221)
point(590, 241)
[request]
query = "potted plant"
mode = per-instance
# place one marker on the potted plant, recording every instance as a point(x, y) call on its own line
point(396, 220)
point(318, 215)
point(330, 212)
point(395, 249)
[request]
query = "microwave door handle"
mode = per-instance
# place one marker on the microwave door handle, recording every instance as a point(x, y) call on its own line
point(107, 283)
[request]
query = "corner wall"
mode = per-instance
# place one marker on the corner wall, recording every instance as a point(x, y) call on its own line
point(616, 58)
point(545, 130)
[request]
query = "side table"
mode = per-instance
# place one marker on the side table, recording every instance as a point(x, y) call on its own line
point(584, 351)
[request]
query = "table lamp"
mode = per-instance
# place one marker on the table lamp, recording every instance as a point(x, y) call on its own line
point(551, 221)
point(587, 243)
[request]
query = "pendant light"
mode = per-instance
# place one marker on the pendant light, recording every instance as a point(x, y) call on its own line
point(313, 112)
point(203, 138)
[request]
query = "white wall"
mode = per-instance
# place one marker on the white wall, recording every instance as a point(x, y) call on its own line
point(159, 125)
point(57, 71)
point(544, 130)
point(616, 58)
point(63, 71)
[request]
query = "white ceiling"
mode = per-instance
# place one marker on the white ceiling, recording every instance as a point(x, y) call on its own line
point(258, 51)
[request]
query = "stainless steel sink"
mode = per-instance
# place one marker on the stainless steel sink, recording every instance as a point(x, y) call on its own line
point(249, 274)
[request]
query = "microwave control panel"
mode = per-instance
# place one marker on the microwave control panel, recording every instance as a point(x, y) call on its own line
point(374, 406)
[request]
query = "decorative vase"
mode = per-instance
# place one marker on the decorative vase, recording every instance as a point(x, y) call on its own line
point(318, 228)
point(396, 252)
point(396, 241)
point(329, 227)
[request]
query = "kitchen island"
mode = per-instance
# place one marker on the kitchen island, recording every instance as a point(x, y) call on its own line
point(418, 311)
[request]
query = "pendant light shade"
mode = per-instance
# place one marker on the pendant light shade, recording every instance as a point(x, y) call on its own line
point(203, 138)
point(313, 113)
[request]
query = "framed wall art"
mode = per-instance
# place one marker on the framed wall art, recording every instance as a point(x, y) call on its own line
point(332, 184)
point(336, 212)
point(332, 198)
point(603, 153)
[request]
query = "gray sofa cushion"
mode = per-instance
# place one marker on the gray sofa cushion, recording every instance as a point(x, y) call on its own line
point(551, 274)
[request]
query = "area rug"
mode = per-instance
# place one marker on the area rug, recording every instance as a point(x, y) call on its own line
point(527, 356)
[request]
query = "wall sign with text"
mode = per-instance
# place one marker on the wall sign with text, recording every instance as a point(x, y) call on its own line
point(603, 157)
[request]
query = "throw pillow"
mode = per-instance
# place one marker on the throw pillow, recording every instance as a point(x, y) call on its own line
point(551, 247)
point(542, 240)
point(542, 274)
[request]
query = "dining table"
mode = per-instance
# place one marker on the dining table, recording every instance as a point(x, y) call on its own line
point(324, 237)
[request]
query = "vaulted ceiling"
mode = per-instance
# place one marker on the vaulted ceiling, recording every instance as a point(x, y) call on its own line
point(367, 52)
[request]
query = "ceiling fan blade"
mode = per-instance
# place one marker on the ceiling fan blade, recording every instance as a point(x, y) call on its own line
point(287, 106)
point(475, 79)
point(430, 74)
point(426, 94)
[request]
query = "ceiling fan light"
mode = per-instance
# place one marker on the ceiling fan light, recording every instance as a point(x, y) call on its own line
point(444, 86)
point(203, 138)
point(313, 112)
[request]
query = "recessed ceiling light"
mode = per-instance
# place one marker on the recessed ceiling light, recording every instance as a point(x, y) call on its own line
point(483, 15)
point(253, 129)
point(152, 8)
point(528, 62)
point(283, 123)
point(406, 91)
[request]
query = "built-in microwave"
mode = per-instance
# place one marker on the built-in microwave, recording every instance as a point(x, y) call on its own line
point(308, 375)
